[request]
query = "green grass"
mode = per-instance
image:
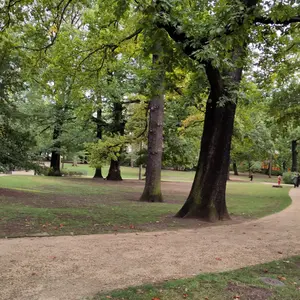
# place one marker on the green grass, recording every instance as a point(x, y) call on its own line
point(133, 173)
point(167, 175)
point(256, 200)
point(35, 204)
point(240, 284)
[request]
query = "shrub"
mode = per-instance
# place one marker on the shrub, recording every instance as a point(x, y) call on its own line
point(73, 173)
point(288, 177)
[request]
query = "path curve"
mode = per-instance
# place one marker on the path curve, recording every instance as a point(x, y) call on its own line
point(68, 268)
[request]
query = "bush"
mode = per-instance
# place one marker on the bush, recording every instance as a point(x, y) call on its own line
point(68, 173)
point(288, 177)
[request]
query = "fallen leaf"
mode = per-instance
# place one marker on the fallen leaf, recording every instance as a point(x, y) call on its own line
point(218, 258)
point(281, 278)
point(279, 252)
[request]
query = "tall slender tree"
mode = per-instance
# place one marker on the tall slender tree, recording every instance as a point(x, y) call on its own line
point(152, 189)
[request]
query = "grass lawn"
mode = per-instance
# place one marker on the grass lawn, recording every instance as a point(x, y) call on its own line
point(240, 284)
point(167, 175)
point(133, 173)
point(61, 206)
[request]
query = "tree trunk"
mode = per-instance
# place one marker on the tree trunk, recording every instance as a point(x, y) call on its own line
point(152, 189)
point(284, 166)
point(114, 172)
point(294, 157)
point(141, 166)
point(207, 197)
point(55, 155)
point(98, 171)
point(235, 170)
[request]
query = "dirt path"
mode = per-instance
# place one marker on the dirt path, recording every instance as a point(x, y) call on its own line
point(80, 266)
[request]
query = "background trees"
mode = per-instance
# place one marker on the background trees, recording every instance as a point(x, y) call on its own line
point(96, 77)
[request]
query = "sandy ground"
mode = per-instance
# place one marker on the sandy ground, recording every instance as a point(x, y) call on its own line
point(76, 267)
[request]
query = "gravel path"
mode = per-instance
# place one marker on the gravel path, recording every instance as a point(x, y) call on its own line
point(63, 268)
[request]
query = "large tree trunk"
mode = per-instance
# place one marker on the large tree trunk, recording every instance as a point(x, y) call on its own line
point(294, 157)
point(114, 172)
point(98, 172)
point(55, 155)
point(235, 170)
point(284, 166)
point(152, 189)
point(207, 197)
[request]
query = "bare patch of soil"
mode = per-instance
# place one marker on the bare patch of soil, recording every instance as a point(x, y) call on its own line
point(249, 292)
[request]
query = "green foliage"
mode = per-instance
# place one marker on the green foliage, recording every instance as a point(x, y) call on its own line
point(109, 148)
point(288, 177)
point(67, 173)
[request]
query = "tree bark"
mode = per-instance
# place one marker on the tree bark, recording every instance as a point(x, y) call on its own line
point(114, 172)
point(294, 157)
point(55, 155)
point(284, 166)
point(98, 171)
point(235, 170)
point(141, 166)
point(207, 197)
point(152, 189)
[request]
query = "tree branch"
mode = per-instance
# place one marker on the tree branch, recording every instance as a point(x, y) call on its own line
point(112, 47)
point(269, 21)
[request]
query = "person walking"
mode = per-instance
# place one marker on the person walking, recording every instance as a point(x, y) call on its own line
point(296, 180)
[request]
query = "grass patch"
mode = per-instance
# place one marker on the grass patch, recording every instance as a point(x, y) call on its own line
point(133, 173)
point(167, 175)
point(33, 204)
point(240, 284)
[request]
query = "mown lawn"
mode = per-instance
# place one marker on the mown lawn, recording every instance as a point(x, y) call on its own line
point(167, 175)
point(61, 206)
point(243, 284)
point(133, 173)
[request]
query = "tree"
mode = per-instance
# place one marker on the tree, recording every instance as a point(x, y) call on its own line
point(98, 119)
point(152, 189)
point(227, 35)
point(285, 108)
point(16, 140)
